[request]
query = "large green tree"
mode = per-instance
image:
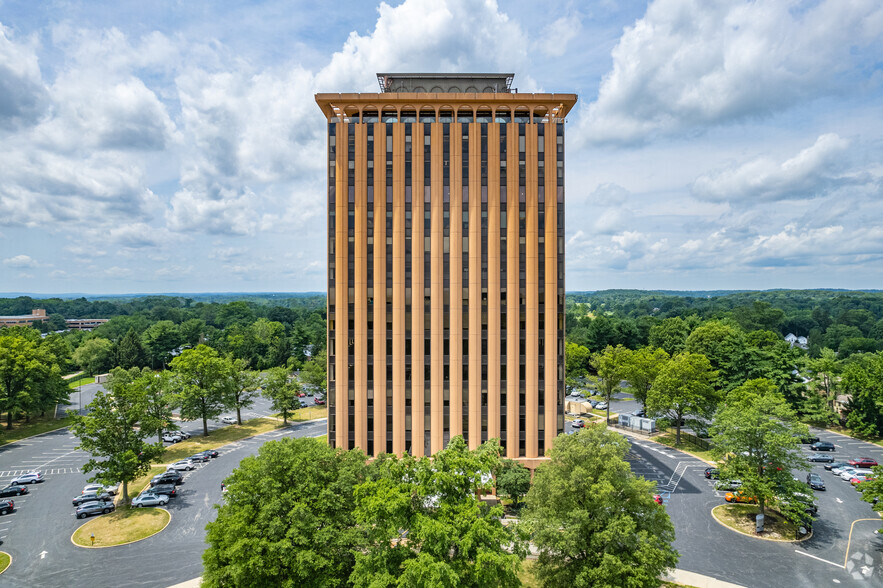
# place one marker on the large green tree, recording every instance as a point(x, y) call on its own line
point(120, 452)
point(161, 399)
point(825, 371)
point(282, 391)
point(94, 355)
point(576, 364)
point(129, 352)
point(313, 372)
point(684, 386)
point(862, 380)
point(513, 480)
point(244, 385)
point(30, 379)
point(640, 369)
point(427, 527)
point(609, 366)
point(756, 439)
point(203, 383)
point(159, 340)
point(288, 518)
point(592, 521)
point(723, 344)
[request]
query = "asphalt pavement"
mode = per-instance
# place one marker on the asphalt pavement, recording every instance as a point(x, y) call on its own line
point(844, 549)
point(37, 534)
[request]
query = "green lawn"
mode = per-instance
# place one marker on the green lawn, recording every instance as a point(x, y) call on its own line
point(5, 560)
point(21, 429)
point(307, 413)
point(80, 381)
point(219, 437)
point(124, 525)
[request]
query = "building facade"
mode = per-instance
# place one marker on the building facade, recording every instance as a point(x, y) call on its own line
point(38, 315)
point(445, 264)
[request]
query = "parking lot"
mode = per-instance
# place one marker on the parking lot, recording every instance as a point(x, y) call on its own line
point(843, 550)
point(37, 534)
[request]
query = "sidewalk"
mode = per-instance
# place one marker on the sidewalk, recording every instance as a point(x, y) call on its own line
point(634, 435)
point(698, 580)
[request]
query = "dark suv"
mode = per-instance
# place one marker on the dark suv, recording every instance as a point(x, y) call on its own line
point(6, 506)
point(170, 477)
point(167, 489)
point(822, 446)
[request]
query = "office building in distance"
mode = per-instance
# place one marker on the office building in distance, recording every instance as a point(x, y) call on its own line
point(445, 265)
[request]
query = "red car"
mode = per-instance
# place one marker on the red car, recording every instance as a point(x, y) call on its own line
point(863, 462)
point(302, 395)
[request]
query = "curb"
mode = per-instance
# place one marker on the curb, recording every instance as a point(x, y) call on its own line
point(119, 544)
point(7, 565)
point(801, 540)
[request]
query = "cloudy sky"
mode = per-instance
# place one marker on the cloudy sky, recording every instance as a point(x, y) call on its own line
point(175, 146)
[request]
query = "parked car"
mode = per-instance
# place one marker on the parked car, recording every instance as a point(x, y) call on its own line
point(728, 485)
point(739, 497)
point(320, 400)
point(93, 508)
point(847, 475)
point(184, 464)
point(150, 499)
point(92, 488)
point(657, 499)
point(166, 489)
point(859, 479)
point(809, 439)
point(210, 453)
point(601, 406)
point(13, 490)
point(594, 402)
point(808, 502)
point(199, 458)
point(840, 469)
point(90, 497)
point(835, 464)
point(815, 481)
point(863, 462)
point(820, 458)
point(169, 477)
point(712, 473)
point(641, 413)
point(171, 438)
point(822, 446)
point(6, 506)
point(229, 420)
point(181, 434)
point(577, 423)
point(113, 489)
point(301, 394)
point(28, 478)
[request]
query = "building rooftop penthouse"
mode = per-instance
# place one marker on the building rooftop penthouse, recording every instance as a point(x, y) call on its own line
point(446, 98)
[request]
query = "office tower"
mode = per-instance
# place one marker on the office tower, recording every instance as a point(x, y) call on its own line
point(445, 264)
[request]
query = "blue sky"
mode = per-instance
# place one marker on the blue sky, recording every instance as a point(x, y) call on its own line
point(177, 147)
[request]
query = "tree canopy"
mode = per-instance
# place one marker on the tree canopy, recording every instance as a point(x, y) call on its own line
point(592, 521)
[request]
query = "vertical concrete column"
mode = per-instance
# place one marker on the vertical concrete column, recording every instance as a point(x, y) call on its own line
point(437, 293)
point(456, 281)
point(474, 285)
point(380, 270)
point(493, 282)
point(398, 290)
point(361, 292)
point(532, 291)
point(418, 377)
point(513, 328)
point(551, 285)
point(341, 307)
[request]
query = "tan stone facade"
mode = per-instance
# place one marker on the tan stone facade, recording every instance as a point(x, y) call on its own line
point(445, 267)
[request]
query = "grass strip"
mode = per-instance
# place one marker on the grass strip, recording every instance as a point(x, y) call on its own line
point(38, 425)
point(5, 560)
point(686, 446)
point(219, 437)
point(307, 413)
point(741, 518)
point(80, 381)
point(124, 525)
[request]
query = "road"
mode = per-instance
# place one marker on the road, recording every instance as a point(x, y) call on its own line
point(37, 534)
point(708, 548)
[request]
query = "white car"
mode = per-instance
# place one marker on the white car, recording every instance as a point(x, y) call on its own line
point(228, 420)
point(171, 437)
point(93, 488)
point(28, 478)
point(846, 472)
point(184, 464)
point(848, 475)
point(150, 499)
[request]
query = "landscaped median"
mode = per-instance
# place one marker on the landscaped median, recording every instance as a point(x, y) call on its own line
point(741, 518)
point(218, 437)
point(5, 560)
point(125, 525)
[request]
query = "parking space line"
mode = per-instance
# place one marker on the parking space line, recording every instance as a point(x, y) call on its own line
point(818, 558)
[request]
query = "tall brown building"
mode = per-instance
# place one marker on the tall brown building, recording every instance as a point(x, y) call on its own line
point(445, 264)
